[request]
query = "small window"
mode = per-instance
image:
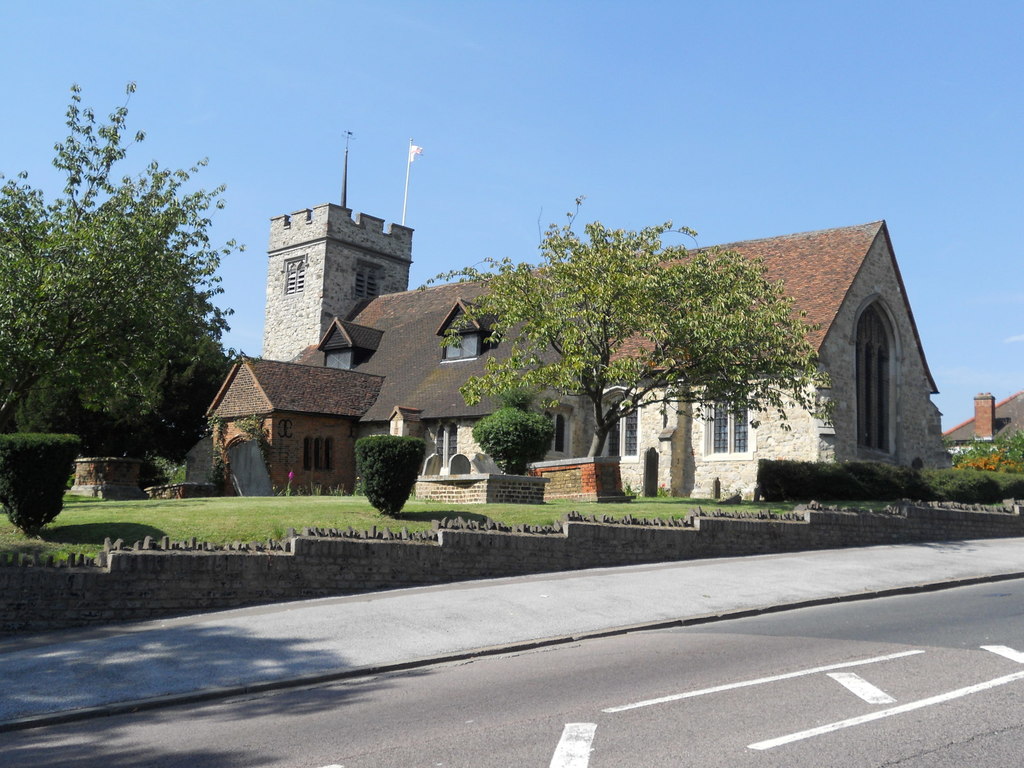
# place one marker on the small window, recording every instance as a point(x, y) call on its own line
point(446, 442)
point(622, 439)
point(560, 433)
point(729, 430)
point(295, 276)
point(338, 358)
point(317, 453)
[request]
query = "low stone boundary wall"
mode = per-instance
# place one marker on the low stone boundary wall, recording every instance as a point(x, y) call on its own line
point(162, 578)
point(481, 489)
point(182, 491)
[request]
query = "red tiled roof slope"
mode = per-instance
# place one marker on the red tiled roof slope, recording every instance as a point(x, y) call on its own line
point(817, 268)
point(312, 389)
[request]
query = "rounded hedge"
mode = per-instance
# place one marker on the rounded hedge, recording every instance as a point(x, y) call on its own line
point(514, 438)
point(34, 470)
point(388, 466)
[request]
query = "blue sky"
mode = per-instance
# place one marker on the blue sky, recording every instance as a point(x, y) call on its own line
point(738, 119)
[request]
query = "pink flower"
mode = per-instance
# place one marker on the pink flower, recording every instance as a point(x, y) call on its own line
point(291, 476)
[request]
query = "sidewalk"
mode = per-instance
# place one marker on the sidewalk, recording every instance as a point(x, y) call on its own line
point(86, 673)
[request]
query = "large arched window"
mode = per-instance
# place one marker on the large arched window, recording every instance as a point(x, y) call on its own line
point(874, 379)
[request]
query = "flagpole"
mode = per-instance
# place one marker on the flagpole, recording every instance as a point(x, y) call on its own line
point(344, 174)
point(408, 165)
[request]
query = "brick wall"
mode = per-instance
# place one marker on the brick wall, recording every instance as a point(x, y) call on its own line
point(587, 479)
point(155, 579)
point(286, 433)
point(482, 489)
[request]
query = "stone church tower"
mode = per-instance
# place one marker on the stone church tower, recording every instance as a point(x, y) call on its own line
point(321, 263)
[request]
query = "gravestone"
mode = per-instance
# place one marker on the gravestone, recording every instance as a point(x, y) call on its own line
point(459, 465)
point(651, 472)
point(432, 466)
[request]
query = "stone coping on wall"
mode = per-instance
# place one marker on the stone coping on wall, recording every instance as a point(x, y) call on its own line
point(475, 477)
point(575, 462)
point(157, 577)
point(182, 491)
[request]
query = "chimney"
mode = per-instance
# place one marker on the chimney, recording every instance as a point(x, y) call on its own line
point(984, 416)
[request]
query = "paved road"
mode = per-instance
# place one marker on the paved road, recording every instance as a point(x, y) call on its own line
point(226, 653)
point(928, 680)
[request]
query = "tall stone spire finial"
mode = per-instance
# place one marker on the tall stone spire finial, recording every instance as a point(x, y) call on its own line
point(344, 176)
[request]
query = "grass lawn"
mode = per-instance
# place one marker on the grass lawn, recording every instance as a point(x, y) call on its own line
point(84, 523)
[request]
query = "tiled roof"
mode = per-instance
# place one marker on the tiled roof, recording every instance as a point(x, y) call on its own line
point(817, 269)
point(1009, 420)
point(306, 388)
point(409, 353)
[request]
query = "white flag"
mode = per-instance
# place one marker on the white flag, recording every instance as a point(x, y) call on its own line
point(413, 151)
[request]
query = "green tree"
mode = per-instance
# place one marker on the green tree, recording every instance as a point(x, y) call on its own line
point(191, 376)
point(619, 319)
point(96, 286)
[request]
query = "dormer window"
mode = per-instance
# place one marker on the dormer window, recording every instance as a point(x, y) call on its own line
point(462, 338)
point(295, 276)
point(346, 345)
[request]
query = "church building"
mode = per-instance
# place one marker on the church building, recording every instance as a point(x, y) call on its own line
point(350, 351)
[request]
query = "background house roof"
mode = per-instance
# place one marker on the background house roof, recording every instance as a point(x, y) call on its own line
point(1009, 420)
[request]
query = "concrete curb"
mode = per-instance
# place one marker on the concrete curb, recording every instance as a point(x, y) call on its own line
point(212, 694)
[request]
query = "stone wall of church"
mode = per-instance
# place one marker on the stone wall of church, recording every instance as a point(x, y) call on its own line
point(915, 428)
point(800, 437)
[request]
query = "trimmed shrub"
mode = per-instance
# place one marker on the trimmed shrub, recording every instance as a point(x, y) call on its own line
point(514, 438)
point(806, 480)
point(875, 481)
point(967, 486)
point(1011, 485)
point(388, 466)
point(884, 482)
point(34, 469)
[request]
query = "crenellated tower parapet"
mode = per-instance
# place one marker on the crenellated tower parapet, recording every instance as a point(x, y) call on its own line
point(321, 262)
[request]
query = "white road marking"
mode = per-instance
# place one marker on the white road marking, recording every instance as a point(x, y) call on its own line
point(1002, 650)
point(759, 681)
point(770, 743)
point(573, 749)
point(861, 687)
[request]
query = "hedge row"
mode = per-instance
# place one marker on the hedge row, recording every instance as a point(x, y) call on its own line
point(875, 481)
